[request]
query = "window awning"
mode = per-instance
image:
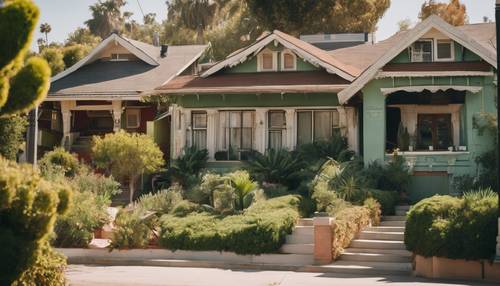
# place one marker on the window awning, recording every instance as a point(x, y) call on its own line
point(431, 88)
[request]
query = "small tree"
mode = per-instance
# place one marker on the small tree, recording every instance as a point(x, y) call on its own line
point(12, 130)
point(126, 156)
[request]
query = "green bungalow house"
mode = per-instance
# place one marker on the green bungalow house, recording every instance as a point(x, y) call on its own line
point(433, 81)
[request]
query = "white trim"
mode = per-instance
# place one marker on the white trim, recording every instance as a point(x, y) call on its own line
point(386, 74)
point(282, 60)
point(95, 97)
point(245, 89)
point(419, 31)
point(452, 50)
point(258, 46)
point(260, 63)
point(431, 88)
point(137, 113)
point(113, 38)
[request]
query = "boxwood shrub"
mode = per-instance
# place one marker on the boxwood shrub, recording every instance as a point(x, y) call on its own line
point(261, 228)
point(457, 228)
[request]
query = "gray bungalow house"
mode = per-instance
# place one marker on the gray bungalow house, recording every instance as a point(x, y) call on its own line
point(102, 92)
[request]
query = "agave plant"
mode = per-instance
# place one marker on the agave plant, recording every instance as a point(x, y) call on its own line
point(189, 164)
point(276, 166)
point(476, 195)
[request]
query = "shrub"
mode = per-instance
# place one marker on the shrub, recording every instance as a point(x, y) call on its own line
point(387, 199)
point(349, 221)
point(336, 148)
point(184, 208)
point(457, 228)
point(12, 130)
point(103, 187)
point(77, 226)
point(225, 199)
point(393, 176)
point(48, 269)
point(29, 206)
point(276, 166)
point(261, 228)
point(134, 229)
point(275, 190)
point(187, 167)
point(59, 159)
point(243, 186)
point(161, 202)
point(375, 210)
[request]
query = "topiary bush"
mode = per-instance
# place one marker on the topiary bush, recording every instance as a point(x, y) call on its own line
point(262, 228)
point(29, 206)
point(161, 202)
point(59, 160)
point(457, 228)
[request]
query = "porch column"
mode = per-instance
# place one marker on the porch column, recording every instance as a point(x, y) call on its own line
point(117, 115)
point(260, 130)
point(211, 133)
point(178, 131)
point(66, 123)
point(352, 128)
point(373, 123)
point(290, 129)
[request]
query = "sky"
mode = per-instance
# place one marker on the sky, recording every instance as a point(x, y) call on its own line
point(65, 16)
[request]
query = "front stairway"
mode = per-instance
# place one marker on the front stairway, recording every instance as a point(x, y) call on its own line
point(378, 249)
point(300, 244)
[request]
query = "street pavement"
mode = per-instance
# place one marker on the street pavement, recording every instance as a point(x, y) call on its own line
point(80, 275)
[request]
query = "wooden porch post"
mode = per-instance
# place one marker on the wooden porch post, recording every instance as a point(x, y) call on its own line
point(66, 123)
point(117, 115)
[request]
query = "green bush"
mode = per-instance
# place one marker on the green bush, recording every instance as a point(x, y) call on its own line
point(59, 159)
point(48, 269)
point(336, 148)
point(161, 202)
point(103, 187)
point(77, 226)
point(375, 210)
point(134, 229)
point(457, 228)
point(275, 190)
point(186, 169)
point(393, 176)
point(261, 228)
point(184, 208)
point(348, 223)
point(388, 200)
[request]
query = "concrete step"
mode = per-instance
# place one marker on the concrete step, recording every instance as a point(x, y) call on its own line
point(403, 207)
point(366, 268)
point(285, 259)
point(377, 244)
point(298, 248)
point(303, 230)
point(379, 235)
point(305, 222)
point(373, 257)
point(386, 228)
point(398, 252)
point(401, 212)
point(299, 238)
point(393, 223)
point(394, 218)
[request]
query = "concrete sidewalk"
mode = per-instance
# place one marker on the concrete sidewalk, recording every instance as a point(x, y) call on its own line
point(80, 275)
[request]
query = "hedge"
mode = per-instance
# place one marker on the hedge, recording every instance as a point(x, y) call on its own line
point(451, 227)
point(387, 199)
point(262, 228)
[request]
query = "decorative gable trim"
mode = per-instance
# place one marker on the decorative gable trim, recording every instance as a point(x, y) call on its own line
point(412, 36)
point(254, 49)
point(92, 56)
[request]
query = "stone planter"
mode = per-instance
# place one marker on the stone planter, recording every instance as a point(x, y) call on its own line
point(440, 267)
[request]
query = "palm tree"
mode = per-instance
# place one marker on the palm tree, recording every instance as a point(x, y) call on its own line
point(45, 28)
point(106, 17)
point(193, 14)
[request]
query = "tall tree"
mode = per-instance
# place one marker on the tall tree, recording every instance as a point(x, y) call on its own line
point(45, 28)
point(455, 13)
point(82, 36)
point(106, 17)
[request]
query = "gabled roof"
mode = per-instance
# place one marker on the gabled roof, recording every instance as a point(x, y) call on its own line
point(95, 78)
point(306, 51)
point(371, 58)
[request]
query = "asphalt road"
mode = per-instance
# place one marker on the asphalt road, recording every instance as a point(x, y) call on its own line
point(80, 275)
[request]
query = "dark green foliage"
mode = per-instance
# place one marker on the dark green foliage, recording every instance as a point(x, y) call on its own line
point(275, 190)
point(453, 227)
point(336, 148)
point(184, 208)
point(60, 159)
point(388, 200)
point(276, 166)
point(186, 169)
point(54, 58)
point(261, 228)
point(134, 229)
point(393, 176)
point(403, 138)
point(21, 87)
point(12, 130)
point(73, 54)
point(29, 206)
point(48, 269)
point(161, 202)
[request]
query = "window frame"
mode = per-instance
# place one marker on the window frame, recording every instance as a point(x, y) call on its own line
point(225, 132)
point(452, 50)
point(434, 117)
point(334, 127)
point(413, 50)
point(260, 61)
point(195, 129)
point(128, 111)
point(282, 130)
point(120, 57)
point(282, 59)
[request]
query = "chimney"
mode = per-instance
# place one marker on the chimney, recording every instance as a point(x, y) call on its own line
point(156, 39)
point(163, 51)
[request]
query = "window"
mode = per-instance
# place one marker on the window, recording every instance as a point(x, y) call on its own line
point(120, 57)
point(199, 128)
point(316, 125)
point(237, 132)
point(444, 50)
point(434, 130)
point(288, 61)
point(133, 118)
point(276, 129)
point(422, 51)
point(267, 61)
